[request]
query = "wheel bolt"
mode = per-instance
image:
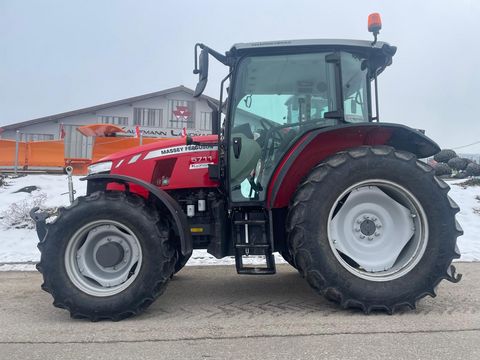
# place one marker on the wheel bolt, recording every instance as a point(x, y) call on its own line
point(359, 221)
point(370, 238)
point(377, 234)
point(378, 226)
point(357, 229)
point(362, 236)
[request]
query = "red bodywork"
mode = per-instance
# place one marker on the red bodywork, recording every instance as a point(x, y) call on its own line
point(186, 166)
point(308, 152)
point(167, 164)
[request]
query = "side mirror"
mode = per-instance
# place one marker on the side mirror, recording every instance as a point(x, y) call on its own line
point(202, 71)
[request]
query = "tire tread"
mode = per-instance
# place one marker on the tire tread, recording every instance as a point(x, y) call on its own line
point(164, 242)
point(298, 236)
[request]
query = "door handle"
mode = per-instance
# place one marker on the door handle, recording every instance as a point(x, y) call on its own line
point(237, 147)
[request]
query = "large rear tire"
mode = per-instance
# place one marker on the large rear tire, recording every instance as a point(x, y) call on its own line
point(107, 256)
point(373, 228)
point(288, 258)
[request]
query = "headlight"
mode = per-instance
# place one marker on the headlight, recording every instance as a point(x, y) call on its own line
point(99, 167)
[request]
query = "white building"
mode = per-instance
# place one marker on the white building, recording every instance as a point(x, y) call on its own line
point(160, 114)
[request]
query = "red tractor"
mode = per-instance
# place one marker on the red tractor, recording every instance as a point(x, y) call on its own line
point(298, 163)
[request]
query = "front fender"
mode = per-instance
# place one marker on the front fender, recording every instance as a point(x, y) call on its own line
point(179, 217)
point(317, 145)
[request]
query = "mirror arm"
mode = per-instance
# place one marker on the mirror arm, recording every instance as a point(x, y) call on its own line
point(217, 55)
point(222, 58)
point(201, 46)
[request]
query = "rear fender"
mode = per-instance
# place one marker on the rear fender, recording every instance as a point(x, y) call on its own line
point(317, 145)
point(178, 216)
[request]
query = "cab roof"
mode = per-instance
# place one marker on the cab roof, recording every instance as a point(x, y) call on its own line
point(309, 42)
point(381, 52)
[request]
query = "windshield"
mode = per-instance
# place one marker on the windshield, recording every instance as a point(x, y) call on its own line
point(279, 98)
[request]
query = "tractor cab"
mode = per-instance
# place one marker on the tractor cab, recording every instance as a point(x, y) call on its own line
point(279, 91)
point(284, 90)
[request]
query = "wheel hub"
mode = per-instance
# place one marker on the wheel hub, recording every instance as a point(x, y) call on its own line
point(367, 227)
point(109, 254)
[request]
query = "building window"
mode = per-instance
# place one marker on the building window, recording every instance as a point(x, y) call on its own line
point(35, 137)
point(148, 117)
point(181, 113)
point(117, 120)
point(205, 121)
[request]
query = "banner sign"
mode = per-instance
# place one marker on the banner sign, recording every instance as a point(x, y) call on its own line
point(164, 132)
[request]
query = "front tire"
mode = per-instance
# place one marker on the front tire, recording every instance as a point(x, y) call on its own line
point(107, 256)
point(373, 228)
point(181, 261)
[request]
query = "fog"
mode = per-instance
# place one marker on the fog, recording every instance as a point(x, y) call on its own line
point(58, 56)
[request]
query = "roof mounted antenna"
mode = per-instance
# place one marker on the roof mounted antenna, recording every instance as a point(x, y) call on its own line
point(374, 25)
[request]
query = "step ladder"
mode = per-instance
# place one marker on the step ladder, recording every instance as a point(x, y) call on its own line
point(251, 237)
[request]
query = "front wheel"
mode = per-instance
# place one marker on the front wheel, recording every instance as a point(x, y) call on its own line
point(379, 232)
point(108, 256)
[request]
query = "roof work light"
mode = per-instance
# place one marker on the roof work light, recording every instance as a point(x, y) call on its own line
point(374, 25)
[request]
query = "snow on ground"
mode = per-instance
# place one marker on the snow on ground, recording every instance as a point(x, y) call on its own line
point(469, 218)
point(18, 247)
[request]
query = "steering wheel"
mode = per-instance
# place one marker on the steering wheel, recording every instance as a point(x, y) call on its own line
point(270, 140)
point(270, 133)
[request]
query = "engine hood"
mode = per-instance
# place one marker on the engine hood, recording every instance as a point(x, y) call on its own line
point(161, 144)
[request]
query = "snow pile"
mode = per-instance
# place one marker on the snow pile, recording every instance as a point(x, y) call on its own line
point(18, 244)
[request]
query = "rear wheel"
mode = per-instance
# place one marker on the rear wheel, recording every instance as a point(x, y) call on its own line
point(108, 256)
point(288, 258)
point(380, 230)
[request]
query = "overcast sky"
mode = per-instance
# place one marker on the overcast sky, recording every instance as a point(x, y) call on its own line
point(57, 56)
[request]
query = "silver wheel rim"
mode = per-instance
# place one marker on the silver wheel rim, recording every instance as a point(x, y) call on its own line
point(377, 230)
point(120, 258)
